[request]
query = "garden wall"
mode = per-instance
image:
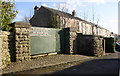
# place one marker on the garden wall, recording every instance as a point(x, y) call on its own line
point(20, 42)
point(4, 49)
point(90, 45)
point(26, 41)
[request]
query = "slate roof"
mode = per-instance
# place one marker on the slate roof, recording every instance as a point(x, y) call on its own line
point(68, 15)
point(61, 13)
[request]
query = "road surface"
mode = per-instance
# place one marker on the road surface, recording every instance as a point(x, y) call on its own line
point(107, 65)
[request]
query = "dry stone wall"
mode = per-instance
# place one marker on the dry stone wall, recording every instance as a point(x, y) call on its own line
point(22, 41)
point(97, 46)
point(90, 45)
point(71, 41)
point(67, 39)
point(4, 49)
point(22, 44)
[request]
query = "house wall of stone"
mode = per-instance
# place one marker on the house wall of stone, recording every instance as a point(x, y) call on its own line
point(63, 22)
point(94, 30)
point(103, 32)
point(4, 49)
point(41, 19)
point(108, 33)
point(80, 27)
point(88, 29)
point(85, 28)
point(69, 23)
point(99, 31)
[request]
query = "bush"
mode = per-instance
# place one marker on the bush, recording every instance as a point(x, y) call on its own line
point(7, 14)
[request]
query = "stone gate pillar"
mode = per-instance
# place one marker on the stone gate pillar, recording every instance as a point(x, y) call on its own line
point(71, 41)
point(22, 41)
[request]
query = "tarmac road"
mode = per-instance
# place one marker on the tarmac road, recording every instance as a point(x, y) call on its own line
point(108, 65)
point(99, 66)
point(105, 65)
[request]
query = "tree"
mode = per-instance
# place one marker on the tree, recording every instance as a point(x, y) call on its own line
point(98, 20)
point(8, 13)
point(62, 7)
point(85, 14)
point(93, 15)
point(27, 18)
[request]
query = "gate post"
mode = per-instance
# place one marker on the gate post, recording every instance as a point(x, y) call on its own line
point(22, 41)
point(104, 46)
point(71, 41)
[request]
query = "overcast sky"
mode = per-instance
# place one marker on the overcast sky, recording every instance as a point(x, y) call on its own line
point(105, 10)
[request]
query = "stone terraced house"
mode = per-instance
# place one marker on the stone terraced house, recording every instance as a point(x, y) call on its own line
point(43, 15)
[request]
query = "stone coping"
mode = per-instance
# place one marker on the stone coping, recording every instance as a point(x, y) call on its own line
point(21, 25)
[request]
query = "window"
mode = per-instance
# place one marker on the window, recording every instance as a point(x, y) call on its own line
point(62, 22)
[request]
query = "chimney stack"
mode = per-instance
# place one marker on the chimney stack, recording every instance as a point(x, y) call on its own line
point(36, 9)
point(74, 13)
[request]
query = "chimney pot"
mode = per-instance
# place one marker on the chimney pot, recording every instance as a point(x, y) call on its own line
point(36, 9)
point(74, 13)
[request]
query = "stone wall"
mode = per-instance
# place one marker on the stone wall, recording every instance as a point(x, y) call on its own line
point(90, 45)
point(71, 41)
point(67, 39)
point(12, 46)
point(76, 43)
point(42, 19)
point(109, 45)
point(4, 50)
point(22, 41)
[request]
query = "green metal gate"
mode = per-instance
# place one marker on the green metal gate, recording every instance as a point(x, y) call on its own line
point(46, 40)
